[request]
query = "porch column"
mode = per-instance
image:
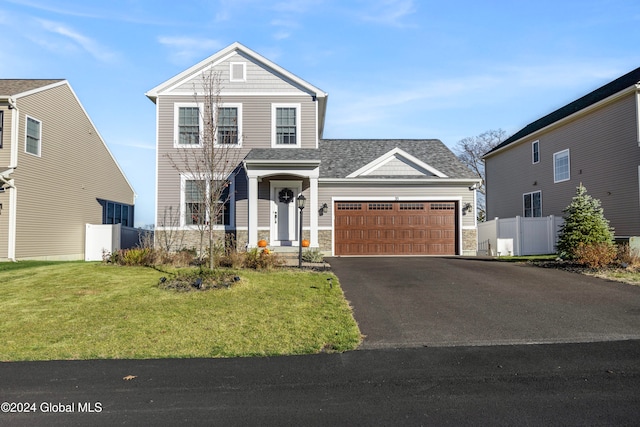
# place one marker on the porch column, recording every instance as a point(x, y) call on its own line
point(313, 212)
point(253, 212)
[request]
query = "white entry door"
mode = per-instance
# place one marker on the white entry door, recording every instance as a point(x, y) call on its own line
point(284, 215)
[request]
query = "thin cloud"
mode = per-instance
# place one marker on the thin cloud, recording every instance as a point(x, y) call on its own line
point(390, 12)
point(185, 50)
point(76, 40)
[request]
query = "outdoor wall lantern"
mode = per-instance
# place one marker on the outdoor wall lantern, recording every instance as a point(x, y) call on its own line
point(324, 209)
point(466, 208)
point(300, 201)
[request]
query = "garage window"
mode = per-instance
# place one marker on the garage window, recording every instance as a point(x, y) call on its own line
point(411, 206)
point(442, 206)
point(380, 206)
point(349, 206)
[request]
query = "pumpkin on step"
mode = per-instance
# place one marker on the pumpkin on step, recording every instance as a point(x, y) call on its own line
point(305, 243)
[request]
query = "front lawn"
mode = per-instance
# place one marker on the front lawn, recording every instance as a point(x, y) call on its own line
point(77, 310)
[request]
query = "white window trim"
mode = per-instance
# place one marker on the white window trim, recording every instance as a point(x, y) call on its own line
point(237, 105)
point(26, 126)
point(555, 156)
point(176, 127)
point(274, 108)
point(533, 151)
point(244, 72)
point(184, 177)
point(523, 205)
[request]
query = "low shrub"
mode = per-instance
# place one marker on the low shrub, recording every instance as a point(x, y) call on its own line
point(262, 259)
point(628, 257)
point(312, 255)
point(595, 255)
point(132, 257)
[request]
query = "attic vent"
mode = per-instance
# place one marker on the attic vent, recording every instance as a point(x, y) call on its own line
point(237, 72)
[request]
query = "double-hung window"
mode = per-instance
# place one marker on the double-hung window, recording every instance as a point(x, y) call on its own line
point(194, 201)
point(196, 194)
point(286, 125)
point(228, 128)
point(188, 122)
point(532, 204)
point(561, 166)
point(535, 152)
point(33, 143)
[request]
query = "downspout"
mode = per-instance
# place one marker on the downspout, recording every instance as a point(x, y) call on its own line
point(13, 191)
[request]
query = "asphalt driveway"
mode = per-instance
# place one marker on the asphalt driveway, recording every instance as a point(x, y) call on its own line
point(427, 301)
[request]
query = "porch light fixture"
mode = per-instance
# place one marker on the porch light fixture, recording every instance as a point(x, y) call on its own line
point(325, 208)
point(300, 202)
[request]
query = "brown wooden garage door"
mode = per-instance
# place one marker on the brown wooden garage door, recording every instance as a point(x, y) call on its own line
point(395, 228)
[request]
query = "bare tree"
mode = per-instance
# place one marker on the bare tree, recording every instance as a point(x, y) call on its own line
point(470, 151)
point(207, 157)
point(172, 235)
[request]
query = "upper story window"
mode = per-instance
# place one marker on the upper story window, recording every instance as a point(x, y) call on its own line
point(33, 136)
point(229, 129)
point(1, 125)
point(237, 71)
point(532, 204)
point(561, 166)
point(286, 125)
point(535, 152)
point(188, 124)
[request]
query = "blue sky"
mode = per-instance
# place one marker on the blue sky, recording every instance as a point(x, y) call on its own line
point(392, 68)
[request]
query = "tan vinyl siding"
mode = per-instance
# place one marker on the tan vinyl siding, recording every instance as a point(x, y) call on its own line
point(58, 191)
point(604, 157)
point(441, 192)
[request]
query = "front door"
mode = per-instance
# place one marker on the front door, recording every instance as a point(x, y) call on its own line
point(283, 215)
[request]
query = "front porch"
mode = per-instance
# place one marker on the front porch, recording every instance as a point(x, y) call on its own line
point(274, 186)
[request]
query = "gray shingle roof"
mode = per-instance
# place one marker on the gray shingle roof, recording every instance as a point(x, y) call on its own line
point(341, 157)
point(10, 87)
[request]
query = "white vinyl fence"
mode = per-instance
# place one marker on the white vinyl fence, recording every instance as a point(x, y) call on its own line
point(519, 236)
point(108, 238)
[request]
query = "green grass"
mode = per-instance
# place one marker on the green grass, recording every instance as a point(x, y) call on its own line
point(77, 310)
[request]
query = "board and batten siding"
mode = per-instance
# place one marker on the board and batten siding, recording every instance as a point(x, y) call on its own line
point(441, 192)
point(57, 192)
point(256, 133)
point(604, 157)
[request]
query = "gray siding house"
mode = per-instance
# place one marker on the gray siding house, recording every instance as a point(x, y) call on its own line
point(594, 140)
point(56, 173)
point(363, 197)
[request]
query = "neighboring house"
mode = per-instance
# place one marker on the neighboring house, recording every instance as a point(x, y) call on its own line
point(363, 197)
point(56, 173)
point(594, 140)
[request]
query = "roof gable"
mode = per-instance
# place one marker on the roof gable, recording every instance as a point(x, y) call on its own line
point(369, 158)
point(239, 51)
point(618, 85)
point(396, 163)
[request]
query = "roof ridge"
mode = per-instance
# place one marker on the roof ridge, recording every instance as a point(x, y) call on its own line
point(591, 98)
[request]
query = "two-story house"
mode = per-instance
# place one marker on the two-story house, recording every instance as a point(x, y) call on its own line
point(594, 140)
point(56, 173)
point(363, 197)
